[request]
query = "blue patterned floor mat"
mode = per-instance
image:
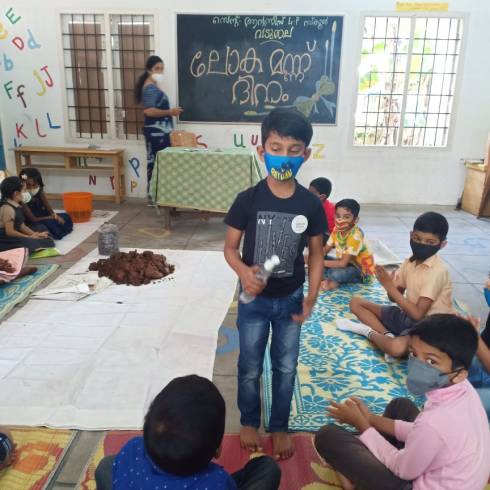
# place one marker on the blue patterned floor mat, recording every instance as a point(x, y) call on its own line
point(335, 365)
point(16, 291)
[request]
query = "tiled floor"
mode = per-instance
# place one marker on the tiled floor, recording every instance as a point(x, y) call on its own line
point(467, 256)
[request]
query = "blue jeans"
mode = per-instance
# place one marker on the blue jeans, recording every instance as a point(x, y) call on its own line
point(254, 322)
point(479, 377)
point(342, 275)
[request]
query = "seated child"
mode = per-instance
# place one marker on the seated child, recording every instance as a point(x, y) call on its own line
point(354, 262)
point(38, 210)
point(182, 433)
point(420, 287)
point(322, 188)
point(13, 231)
point(445, 446)
point(479, 373)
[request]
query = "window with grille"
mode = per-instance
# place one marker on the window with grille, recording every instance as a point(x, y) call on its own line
point(101, 68)
point(407, 77)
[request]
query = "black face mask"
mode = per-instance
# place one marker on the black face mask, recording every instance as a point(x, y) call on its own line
point(422, 251)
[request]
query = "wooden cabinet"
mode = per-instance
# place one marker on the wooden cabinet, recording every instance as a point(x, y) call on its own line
point(72, 158)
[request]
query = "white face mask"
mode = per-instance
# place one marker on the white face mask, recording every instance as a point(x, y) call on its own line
point(157, 78)
point(35, 191)
point(26, 197)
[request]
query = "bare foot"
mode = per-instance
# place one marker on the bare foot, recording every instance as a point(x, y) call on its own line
point(26, 271)
point(328, 285)
point(282, 445)
point(250, 439)
point(345, 482)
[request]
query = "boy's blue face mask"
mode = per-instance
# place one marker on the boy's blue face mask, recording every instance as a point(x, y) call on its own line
point(422, 377)
point(282, 167)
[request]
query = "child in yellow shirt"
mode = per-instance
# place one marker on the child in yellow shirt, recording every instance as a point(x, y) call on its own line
point(354, 262)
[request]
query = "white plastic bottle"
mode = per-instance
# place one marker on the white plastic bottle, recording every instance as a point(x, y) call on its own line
point(263, 274)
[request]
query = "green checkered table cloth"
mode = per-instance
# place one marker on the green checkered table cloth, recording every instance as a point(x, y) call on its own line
point(202, 179)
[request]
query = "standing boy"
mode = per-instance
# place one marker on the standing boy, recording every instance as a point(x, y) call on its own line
point(277, 217)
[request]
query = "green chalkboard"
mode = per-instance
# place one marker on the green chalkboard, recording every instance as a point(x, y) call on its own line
point(236, 68)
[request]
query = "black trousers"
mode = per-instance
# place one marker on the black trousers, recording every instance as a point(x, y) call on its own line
point(261, 473)
point(347, 454)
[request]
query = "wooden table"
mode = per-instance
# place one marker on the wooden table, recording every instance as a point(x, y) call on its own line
point(75, 161)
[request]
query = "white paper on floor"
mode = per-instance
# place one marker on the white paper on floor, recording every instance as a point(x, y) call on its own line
point(97, 363)
point(73, 287)
point(382, 254)
point(81, 231)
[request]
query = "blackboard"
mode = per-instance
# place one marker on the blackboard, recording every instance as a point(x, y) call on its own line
point(236, 68)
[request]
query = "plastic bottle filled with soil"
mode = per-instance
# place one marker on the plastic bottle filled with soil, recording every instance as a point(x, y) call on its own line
point(108, 239)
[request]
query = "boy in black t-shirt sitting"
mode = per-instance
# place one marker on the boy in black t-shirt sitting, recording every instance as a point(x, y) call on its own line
point(277, 217)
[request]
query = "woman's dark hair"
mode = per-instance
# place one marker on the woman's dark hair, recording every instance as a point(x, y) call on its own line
point(450, 334)
point(150, 63)
point(34, 174)
point(184, 425)
point(351, 204)
point(287, 122)
point(10, 186)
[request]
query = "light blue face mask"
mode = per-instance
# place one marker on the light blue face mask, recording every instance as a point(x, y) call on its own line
point(486, 292)
point(283, 167)
point(422, 377)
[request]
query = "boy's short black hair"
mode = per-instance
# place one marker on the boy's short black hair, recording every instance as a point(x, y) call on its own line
point(10, 186)
point(432, 222)
point(450, 334)
point(184, 425)
point(32, 173)
point(287, 122)
point(322, 185)
point(351, 204)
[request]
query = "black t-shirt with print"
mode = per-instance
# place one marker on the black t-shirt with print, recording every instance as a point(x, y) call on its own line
point(277, 226)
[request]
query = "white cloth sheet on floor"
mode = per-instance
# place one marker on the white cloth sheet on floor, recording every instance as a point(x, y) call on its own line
point(81, 231)
point(97, 363)
point(382, 254)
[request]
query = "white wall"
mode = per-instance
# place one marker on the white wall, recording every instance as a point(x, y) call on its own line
point(374, 175)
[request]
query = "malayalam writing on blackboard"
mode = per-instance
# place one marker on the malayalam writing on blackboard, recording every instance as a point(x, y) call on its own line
point(256, 63)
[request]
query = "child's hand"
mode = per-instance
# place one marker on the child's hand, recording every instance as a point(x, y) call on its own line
point(59, 219)
point(349, 413)
point(308, 305)
point(362, 407)
point(385, 279)
point(40, 234)
point(250, 283)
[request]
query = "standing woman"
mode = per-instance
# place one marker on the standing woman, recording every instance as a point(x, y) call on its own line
point(158, 115)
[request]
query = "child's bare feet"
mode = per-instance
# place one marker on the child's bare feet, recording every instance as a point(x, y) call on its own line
point(328, 285)
point(282, 445)
point(250, 439)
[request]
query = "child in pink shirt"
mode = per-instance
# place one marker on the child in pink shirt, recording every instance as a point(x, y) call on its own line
point(446, 446)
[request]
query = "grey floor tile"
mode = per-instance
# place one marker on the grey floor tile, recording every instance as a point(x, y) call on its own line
point(472, 297)
point(228, 388)
point(474, 268)
point(77, 457)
